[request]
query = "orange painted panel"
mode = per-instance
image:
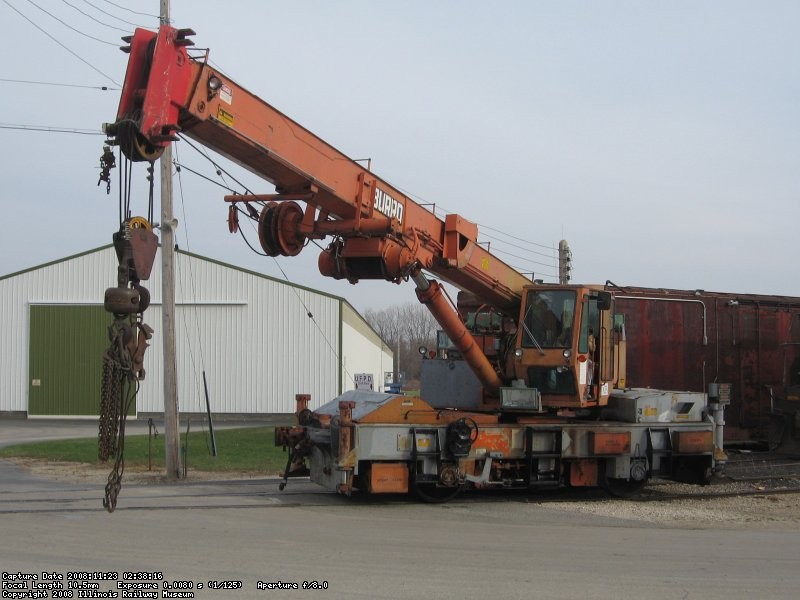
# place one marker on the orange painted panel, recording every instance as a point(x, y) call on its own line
point(694, 442)
point(494, 441)
point(388, 478)
point(606, 442)
point(583, 473)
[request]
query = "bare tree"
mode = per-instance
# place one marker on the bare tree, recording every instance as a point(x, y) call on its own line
point(405, 328)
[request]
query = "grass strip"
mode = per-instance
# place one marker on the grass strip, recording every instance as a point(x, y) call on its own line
point(247, 449)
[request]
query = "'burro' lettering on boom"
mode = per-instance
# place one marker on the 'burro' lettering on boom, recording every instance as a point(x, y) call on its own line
point(387, 205)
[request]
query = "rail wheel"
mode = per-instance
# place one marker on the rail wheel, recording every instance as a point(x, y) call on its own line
point(623, 488)
point(435, 494)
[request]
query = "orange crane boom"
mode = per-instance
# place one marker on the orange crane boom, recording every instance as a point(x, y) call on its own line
point(382, 233)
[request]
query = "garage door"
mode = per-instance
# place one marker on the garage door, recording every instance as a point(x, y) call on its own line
point(65, 359)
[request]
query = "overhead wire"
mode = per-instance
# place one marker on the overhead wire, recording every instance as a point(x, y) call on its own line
point(95, 19)
point(104, 88)
point(534, 262)
point(440, 211)
point(65, 47)
point(502, 241)
point(519, 239)
point(120, 18)
point(135, 12)
point(68, 26)
point(50, 129)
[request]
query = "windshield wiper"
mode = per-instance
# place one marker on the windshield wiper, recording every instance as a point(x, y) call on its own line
point(530, 333)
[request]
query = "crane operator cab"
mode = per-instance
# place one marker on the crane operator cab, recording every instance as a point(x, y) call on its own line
point(570, 346)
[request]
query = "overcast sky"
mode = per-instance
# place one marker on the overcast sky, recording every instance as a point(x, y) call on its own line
point(661, 139)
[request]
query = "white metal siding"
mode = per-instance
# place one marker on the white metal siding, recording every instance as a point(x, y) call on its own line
point(253, 337)
point(251, 333)
point(363, 350)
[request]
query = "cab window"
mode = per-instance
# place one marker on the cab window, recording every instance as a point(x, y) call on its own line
point(548, 319)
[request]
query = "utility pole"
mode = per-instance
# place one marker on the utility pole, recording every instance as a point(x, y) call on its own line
point(172, 456)
point(564, 262)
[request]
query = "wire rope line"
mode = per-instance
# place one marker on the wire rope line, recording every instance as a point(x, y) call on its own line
point(310, 315)
point(75, 54)
point(190, 347)
point(218, 168)
point(192, 278)
point(293, 286)
point(195, 371)
point(180, 166)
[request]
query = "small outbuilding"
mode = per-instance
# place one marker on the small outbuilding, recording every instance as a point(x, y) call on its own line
point(258, 340)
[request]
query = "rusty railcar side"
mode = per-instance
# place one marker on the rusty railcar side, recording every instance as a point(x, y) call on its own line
point(685, 339)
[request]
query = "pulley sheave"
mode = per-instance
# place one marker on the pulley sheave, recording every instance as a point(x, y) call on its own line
point(278, 229)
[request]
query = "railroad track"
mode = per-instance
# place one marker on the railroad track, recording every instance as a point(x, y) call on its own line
point(748, 476)
point(265, 494)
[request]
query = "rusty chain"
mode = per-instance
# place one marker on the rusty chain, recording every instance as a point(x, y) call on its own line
point(119, 386)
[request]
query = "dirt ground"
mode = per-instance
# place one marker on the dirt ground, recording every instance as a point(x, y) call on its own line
point(80, 473)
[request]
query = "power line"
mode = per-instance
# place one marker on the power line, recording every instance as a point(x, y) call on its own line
point(519, 239)
point(536, 274)
point(518, 247)
point(126, 8)
point(533, 262)
point(120, 18)
point(68, 26)
point(85, 14)
point(84, 61)
point(73, 85)
point(444, 210)
point(51, 129)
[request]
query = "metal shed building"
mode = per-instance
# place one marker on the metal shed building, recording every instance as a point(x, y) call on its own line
point(250, 333)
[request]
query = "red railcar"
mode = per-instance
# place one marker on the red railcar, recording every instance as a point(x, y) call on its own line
point(686, 339)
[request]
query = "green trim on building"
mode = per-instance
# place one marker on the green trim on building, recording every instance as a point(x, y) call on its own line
point(65, 355)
